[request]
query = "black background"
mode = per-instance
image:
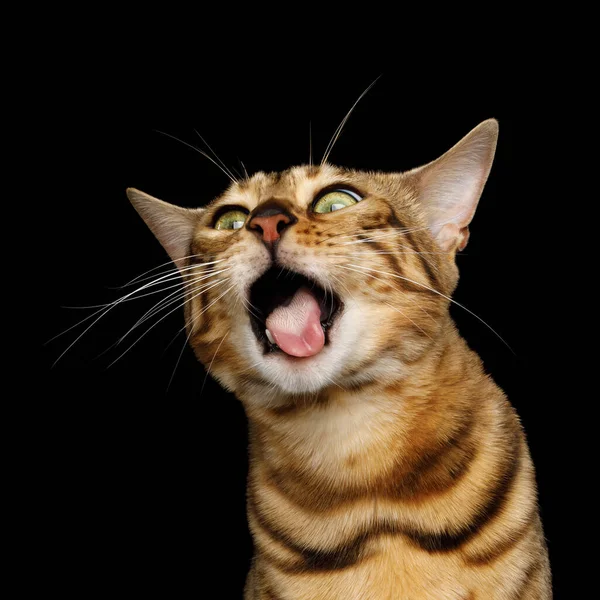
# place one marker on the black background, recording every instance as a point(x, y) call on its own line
point(144, 486)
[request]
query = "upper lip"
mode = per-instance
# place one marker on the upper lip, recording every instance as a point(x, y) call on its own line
point(276, 287)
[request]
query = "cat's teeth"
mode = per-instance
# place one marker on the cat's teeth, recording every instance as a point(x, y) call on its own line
point(269, 336)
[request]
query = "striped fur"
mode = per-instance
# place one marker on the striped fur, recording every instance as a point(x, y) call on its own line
point(389, 466)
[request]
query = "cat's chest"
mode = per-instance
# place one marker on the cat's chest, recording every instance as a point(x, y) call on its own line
point(336, 440)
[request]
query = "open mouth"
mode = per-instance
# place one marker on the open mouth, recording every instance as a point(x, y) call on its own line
point(291, 313)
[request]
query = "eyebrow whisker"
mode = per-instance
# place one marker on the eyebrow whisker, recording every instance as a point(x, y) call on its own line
point(338, 131)
point(212, 160)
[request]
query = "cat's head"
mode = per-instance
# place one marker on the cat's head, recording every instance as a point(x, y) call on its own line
point(321, 276)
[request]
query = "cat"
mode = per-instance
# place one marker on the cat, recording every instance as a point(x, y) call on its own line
point(384, 463)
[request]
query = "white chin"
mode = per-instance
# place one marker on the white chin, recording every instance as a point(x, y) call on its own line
point(298, 376)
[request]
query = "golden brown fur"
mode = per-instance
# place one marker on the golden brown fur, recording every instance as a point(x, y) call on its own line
point(402, 472)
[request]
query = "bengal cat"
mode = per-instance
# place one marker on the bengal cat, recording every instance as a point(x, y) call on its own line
point(385, 463)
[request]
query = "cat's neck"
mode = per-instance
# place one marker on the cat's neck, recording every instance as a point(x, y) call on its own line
point(335, 439)
point(442, 366)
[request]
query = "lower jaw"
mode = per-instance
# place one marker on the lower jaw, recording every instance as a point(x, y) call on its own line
point(288, 357)
point(288, 378)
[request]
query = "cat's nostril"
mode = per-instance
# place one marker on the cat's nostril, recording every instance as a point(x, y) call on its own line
point(269, 225)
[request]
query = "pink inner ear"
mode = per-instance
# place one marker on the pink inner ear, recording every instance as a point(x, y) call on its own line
point(452, 237)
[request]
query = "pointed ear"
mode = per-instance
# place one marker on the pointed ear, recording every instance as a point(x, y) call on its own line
point(172, 225)
point(449, 188)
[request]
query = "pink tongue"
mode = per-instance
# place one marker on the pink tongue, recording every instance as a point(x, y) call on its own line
point(297, 327)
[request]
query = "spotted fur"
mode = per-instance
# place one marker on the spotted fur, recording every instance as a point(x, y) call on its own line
point(388, 466)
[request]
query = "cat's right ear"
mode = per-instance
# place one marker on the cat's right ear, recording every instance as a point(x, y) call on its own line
point(172, 225)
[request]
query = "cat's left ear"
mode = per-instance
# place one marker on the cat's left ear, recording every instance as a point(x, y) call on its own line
point(449, 187)
point(172, 225)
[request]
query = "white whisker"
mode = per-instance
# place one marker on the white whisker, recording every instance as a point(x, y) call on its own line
point(192, 283)
point(310, 149)
point(188, 322)
point(233, 179)
point(183, 347)
point(376, 234)
point(435, 292)
point(169, 262)
point(164, 317)
point(104, 312)
point(407, 296)
point(379, 252)
point(249, 306)
point(165, 303)
point(374, 237)
point(182, 271)
point(211, 363)
point(250, 367)
point(407, 317)
point(225, 167)
point(179, 284)
point(106, 308)
point(340, 282)
point(338, 131)
point(339, 236)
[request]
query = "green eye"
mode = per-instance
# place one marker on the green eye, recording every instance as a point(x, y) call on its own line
point(335, 200)
point(232, 219)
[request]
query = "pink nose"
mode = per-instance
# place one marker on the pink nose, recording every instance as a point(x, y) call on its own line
point(269, 228)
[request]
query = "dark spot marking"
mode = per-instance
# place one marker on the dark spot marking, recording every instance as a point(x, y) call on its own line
point(401, 282)
point(270, 594)
point(313, 559)
point(351, 461)
point(491, 555)
point(251, 379)
point(284, 409)
point(206, 321)
point(446, 541)
point(394, 221)
point(441, 467)
point(358, 387)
